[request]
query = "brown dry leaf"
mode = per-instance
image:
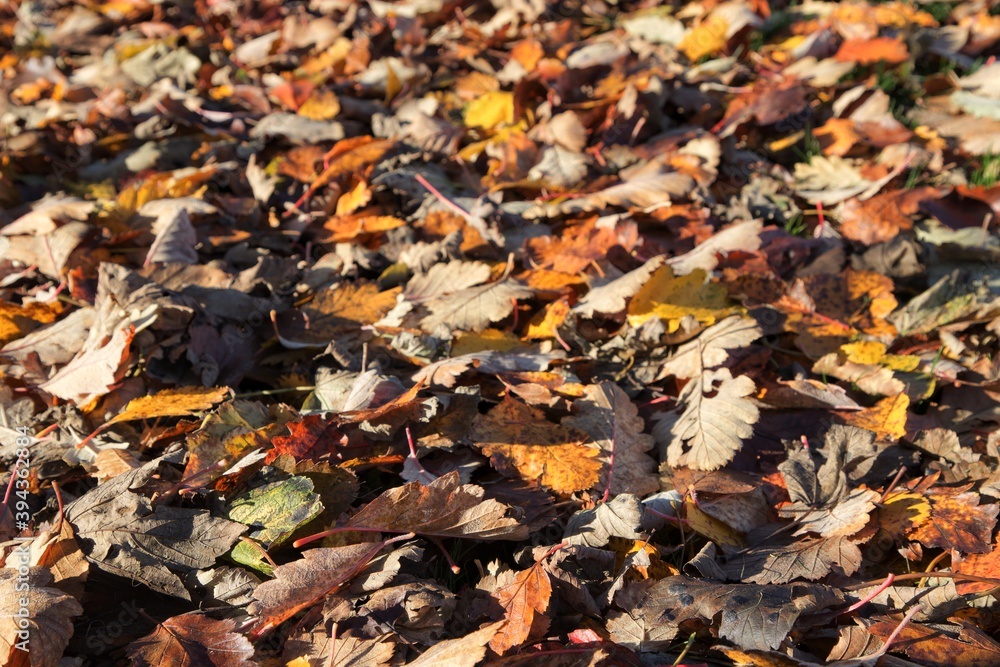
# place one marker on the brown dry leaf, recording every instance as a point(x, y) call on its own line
point(644, 186)
point(349, 157)
point(93, 372)
point(713, 418)
point(193, 640)
point(884, 216)
point(444, 508)
point(64, 559)
point(574, 250)
point(981, 565)
point(465, 651)
point(970, 647)
point(522, 443)
point(525, 601)
point(48, 613)
point(304, 582)
point(751, 616)
point(474, 308)
point(958, 522)
point(181, 402)
point(611, 420)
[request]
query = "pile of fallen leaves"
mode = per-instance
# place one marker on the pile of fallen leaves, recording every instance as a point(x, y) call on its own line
point(501, 332)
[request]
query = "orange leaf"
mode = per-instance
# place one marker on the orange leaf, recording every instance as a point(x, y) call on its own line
point(180, 402)
point(871, 51)
point(525, 601)
point(521, 442)
point(958, 522)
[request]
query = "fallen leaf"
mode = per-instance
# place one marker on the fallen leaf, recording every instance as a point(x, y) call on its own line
point(193, 640)
point(612, 423)
point(444, 508)
point(39, 636)
point(522, 443)
point(180, 402)
point(524, 601)
point(713, 418)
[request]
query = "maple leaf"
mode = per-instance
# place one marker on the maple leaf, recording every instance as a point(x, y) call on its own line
point(334, 312)
point(45, 626)
point(522, 443)
point(193, 640)
point(612, 421)
point(957, 522)
point(444, 508)
point(525, 601)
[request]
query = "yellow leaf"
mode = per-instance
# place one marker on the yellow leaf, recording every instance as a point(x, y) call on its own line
point(707, 39)
point(902, 511)
point(887, 418)
point(710, 527)
point(901, 362)
point(18, 321)
point(490, 339)
point(172, 403)
point(392, 84)
point(351, 201)
point(671, 299)
point(864, 352)
point(321, 105)
point(545, 323)
point(490, 110)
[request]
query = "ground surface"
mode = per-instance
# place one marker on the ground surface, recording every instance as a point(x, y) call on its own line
point(445, 333)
